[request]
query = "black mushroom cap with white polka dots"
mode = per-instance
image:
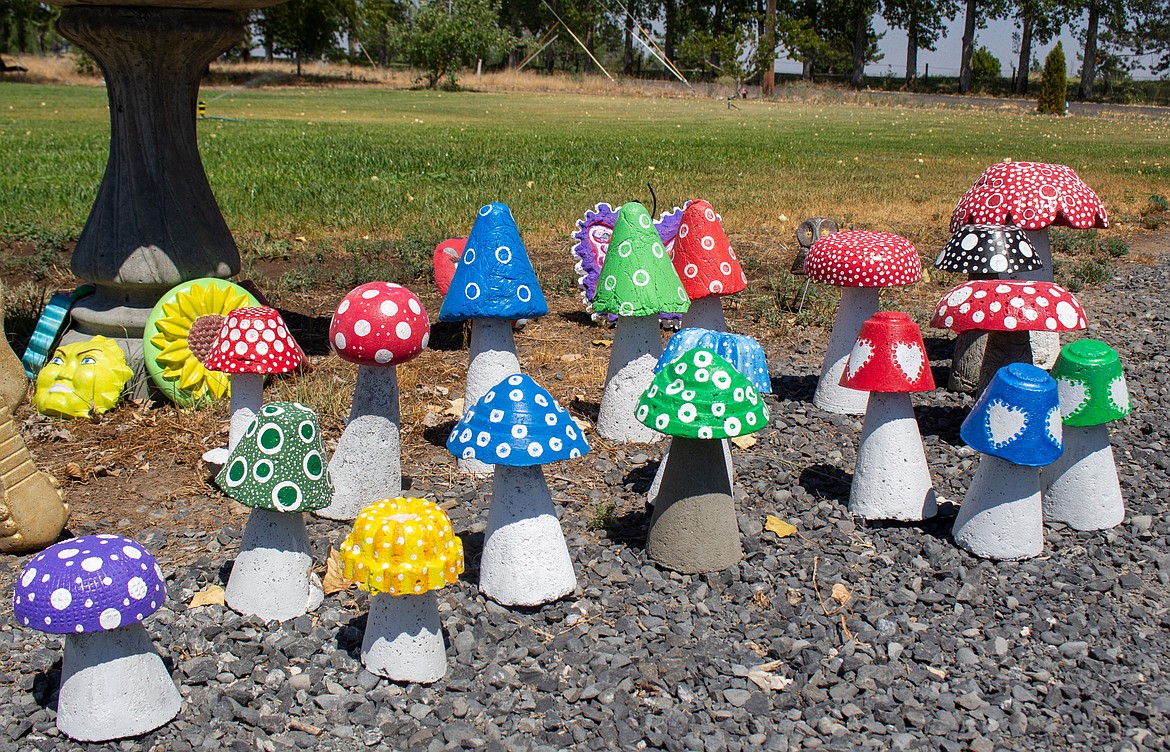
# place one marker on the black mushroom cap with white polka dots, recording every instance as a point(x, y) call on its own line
point(989, 249)
point(860, 258)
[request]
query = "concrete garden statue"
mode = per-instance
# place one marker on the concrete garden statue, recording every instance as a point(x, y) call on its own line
point(518, 427)
point(891, 480)
point(402, 551)
point(707, 266)
point(1081, 488)
point(96, 590)
point(278, 468)
point(377, 326)
point(861, 263)
point(82, 380)
point(1016, 425)
point(637, 283)
point(699, 399)
point(493, 285)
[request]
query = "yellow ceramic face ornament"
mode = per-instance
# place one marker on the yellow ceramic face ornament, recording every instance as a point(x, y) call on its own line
point(82, 379)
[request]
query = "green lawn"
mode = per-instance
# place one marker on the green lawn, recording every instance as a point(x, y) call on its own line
point(416, 165)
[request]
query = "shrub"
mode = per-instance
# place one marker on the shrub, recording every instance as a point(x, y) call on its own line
point(1054, 84)
point(985, 65)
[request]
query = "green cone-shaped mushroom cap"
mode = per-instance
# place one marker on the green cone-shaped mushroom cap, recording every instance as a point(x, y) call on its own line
point(702, 396)
point(1091, 383)
point(279, 463)
point(638, 278)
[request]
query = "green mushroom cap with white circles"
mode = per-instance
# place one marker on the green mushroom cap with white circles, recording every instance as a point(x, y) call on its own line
point(279, 463)
point(701, 396)
point(638, 277)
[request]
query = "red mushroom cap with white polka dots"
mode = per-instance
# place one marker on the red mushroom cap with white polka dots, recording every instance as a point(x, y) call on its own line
point(254, 340)
point(1031, 195)
point(859, 258)
point(379, 324)
point(703, 256)
point(992, 305)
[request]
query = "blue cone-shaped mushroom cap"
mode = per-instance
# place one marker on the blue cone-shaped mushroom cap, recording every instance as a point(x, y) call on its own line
point(517, 423)
point(494, 278)
point(1017, 418)
point(742, 352)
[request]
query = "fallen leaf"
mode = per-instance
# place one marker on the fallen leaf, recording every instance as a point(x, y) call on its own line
point(744, 442)
point(602, 343)
point(571, 357)
point(768, 681)
point(454, 408)
point(937, 672)
point(212, 595)
point(840, 594)
point(761, 600)
point(334, 581)
point(778, 526)
point(582, 423)
point(794, 597)
point(73, 471)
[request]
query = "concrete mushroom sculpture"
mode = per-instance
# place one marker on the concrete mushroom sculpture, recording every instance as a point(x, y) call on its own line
point(1081, 488)
point(278, 468)
point(518, 426)
point(96, 590)
point(252, 343)
point(891, 480)
point(1008, 310)
point(637, 283)
point(377, 326)
point(402, 551)
point(1016, 425)
point(493, 285)
point(446, 261)
point(707, 265)
point(861, 263)
point(699, 399)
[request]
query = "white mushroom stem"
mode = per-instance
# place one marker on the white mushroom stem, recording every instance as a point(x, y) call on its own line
point(404, 638)
point(857, 305)
point(706, 313)
point(637, 344)
point(273, 574)
point(491, 360)
point(525, 558)
point(891, 480)
point(1081, 488)
point(367, 465)
point(247, 390)
point(1001, 516)
point(114, 685)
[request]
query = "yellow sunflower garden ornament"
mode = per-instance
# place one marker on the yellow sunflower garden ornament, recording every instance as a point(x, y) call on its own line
point(185, 320)
point(82, 379)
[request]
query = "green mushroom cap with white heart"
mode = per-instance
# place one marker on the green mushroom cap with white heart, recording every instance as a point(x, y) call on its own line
point(701, 396)
point(279, 463)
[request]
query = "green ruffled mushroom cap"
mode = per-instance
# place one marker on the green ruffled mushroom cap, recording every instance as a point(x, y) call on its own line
point(701, 396)
point(1091, 384)
point(638, 278)
point(279, 464)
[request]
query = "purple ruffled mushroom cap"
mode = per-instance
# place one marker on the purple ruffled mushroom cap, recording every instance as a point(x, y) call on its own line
point(88, 584)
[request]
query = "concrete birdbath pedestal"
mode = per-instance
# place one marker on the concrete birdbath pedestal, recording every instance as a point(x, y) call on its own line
point(154, 223)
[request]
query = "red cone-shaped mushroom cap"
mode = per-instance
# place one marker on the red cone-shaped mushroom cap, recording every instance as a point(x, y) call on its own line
point(254, 340)
point(857, 258)
point(1032, 195)
point(703, 257)
point(379, 324)
point(993, 305)
point(446, 259)
point(889, 356)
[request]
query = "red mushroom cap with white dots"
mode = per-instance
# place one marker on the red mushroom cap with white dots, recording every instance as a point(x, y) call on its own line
point(254, 340)
point(992, 305)
point(379, 324)
point(1031, 195)
point(703, 256)
point(859, 258)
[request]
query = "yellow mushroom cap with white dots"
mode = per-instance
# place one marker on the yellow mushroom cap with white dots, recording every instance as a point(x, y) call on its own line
point(402, 546)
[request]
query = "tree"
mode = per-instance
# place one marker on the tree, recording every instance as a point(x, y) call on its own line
point(863, 39)
point(441, 35)
point(924, 22)
point(372, 25)
point(305, 28)
point(1054, 84)
point(768, 83)
point(1039, 22)
point(985, 65)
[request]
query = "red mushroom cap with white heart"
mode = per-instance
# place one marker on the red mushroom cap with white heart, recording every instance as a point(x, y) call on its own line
point(889, 356)
point(254, 340)
point(379, 324)
point(1031, 195)
point(703, 256)
point(991, 305)
point(859, 258)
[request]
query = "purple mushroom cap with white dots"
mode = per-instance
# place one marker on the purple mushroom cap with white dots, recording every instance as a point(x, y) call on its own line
point(88, 584)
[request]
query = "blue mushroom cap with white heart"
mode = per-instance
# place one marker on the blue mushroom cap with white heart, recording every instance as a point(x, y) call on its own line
point(1017, 418)
point(741, 351)
point(494, 278)
point(517, 423)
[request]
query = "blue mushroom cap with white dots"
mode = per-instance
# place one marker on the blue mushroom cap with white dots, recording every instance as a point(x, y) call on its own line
point(517, 423)
point(741, 351)
point(494, 278)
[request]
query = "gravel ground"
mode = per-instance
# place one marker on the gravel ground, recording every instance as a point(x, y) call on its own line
point(933, 649)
